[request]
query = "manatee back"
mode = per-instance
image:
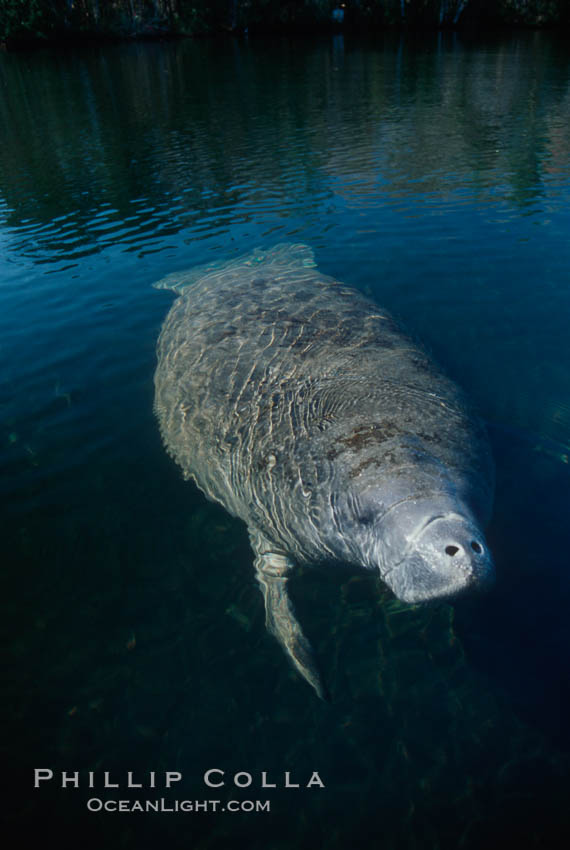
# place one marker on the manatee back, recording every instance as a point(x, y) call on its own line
point(276, 384)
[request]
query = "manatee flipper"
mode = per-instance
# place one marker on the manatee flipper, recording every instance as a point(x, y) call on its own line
point(273, 569)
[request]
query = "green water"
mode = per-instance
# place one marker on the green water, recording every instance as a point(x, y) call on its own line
point(434, 175)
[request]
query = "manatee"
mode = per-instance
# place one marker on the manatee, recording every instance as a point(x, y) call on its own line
point(304, 409)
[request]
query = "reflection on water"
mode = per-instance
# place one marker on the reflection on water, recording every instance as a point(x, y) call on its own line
point(434, 175)
point(140, 146)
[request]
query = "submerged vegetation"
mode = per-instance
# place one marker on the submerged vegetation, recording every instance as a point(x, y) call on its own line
point(23, 21)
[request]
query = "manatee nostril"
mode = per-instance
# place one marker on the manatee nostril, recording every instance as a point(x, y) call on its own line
point(476, 547)
point(451, 550)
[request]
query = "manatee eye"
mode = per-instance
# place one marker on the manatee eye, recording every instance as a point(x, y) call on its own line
point(476, 547)
point(366, 518)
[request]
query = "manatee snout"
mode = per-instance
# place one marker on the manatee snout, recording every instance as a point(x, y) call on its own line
point(447, 556)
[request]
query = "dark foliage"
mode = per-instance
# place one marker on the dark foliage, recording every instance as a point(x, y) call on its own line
point(23, 21)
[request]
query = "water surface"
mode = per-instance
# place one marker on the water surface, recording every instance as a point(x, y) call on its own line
point(434, 175)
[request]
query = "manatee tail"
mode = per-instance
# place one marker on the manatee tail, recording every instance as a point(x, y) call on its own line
point(286, 255)
point(273, 569)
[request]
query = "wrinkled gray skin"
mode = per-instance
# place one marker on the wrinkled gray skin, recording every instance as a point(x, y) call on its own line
point(301, 407)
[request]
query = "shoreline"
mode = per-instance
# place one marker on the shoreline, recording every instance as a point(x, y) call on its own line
point(72, 39)
point(136, 22)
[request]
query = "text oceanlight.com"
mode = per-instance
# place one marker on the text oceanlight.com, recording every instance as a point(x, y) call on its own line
point(96, 804)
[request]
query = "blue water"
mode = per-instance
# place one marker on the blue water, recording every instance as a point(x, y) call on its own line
point(434, 175)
